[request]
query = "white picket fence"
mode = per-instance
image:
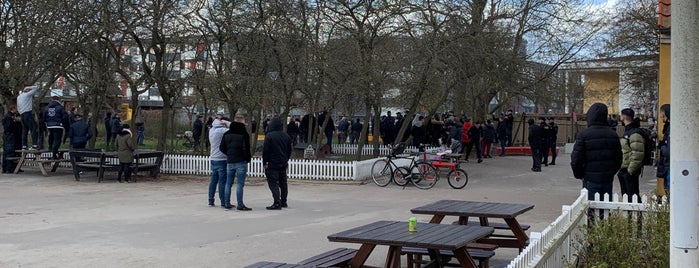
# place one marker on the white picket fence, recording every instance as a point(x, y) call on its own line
point(351, 149)
point(557, 245)
point(298, 168)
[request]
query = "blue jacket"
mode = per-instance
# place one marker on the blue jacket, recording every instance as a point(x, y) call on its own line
point(54, 115)
point(79, 132)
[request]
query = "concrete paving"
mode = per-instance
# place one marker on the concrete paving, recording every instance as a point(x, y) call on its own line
point(59, 222)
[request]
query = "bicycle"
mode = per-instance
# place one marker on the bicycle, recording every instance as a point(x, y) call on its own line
point(457, 177)
point(421, 173)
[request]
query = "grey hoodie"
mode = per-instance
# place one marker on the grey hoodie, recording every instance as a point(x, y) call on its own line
point(216, 132)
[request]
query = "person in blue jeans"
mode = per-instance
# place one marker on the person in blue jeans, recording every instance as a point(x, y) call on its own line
point(141, 128)
point(236, 146)
point(218, 161)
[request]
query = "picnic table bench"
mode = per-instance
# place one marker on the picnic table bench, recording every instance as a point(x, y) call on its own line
point(267, 264)
point(28, 156)
point(484, 211)
point(338, 257)
point(100, 161)
point(432, 237)
point(414, 256)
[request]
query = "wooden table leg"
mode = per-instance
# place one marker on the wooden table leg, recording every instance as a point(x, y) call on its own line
point(20, 162)
point(55, 166)
point(483, 221)
point(437, 219)
point(42, 168)
point(463, 220)
point(362, 255)
point(436, 258)
point(522, 237)
point(464, 258)
point(393, 258)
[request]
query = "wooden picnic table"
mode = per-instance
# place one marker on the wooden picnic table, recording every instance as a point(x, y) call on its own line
point(30, 155)
point(395, 234)
point(484, 211)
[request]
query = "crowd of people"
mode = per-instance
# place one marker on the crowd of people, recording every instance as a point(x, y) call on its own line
point(599, 154)
point(19, 124)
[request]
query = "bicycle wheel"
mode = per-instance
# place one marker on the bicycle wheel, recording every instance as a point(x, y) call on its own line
point(424, 175)
point(381, 172)
point(458, 179)
point(400, 176)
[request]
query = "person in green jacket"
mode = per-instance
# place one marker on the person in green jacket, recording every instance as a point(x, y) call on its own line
point(125, 149)
point(632, 147)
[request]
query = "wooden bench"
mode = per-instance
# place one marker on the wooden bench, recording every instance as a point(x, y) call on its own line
point(142, 163)
point(496, 225)
point(415, 256)
point(13, 158)
point(267, 264)
point(338, 257)
point(87, 160)
point(97, 161)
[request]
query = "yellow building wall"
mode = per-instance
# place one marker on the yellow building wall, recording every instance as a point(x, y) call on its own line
point(663, 80)
point(664, 75)
point(602, 87)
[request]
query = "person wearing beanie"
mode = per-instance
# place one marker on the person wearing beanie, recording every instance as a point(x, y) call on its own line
point(596, 155)
point(663, 172)
point(632, 147)
point(125, 148)
point(535, 136)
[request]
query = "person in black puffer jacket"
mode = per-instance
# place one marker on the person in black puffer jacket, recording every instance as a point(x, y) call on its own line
point(597, 153)
point(236, 146)
point(663, 173)
point(276, 152)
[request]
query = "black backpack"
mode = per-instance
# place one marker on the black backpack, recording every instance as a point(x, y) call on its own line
point(648, 145)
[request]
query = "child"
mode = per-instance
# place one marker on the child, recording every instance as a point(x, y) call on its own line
point(125, 148)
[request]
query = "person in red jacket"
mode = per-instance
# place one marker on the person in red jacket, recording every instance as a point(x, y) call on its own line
point(464, 134)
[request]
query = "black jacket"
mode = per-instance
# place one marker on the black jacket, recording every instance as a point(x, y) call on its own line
point(553, 133)
point(502, 130)
point(292, 128)
point(55, 115)
point(474, 133)
point(79, 132)
point(489, 133)
point(330, 127)
point(664, 160)
point(597, 152)
point(236, 144)
point(276, 150)
point(196, 129)
point(536, 134)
